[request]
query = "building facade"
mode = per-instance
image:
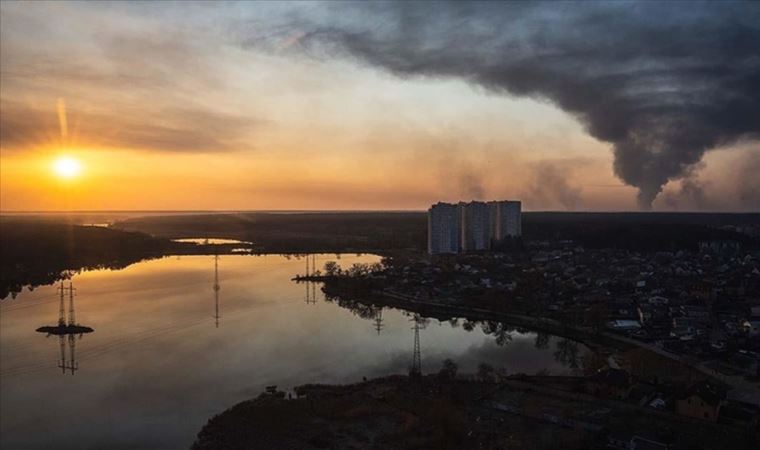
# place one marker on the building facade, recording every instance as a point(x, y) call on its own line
point(476, 226)
point(473, 226)
point(506, 219)
point(444, 228)
point(701, 401)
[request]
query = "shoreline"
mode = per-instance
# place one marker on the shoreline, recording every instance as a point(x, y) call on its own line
point(595, 341)
point(435, 411)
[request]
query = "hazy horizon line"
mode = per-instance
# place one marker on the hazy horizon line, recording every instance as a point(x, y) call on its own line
point(236, 211)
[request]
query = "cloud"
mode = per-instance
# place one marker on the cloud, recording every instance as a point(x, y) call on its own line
point(664, 83)
point(172, 129)
point(128, 82)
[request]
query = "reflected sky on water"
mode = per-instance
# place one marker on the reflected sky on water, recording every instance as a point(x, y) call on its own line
point(156, 368)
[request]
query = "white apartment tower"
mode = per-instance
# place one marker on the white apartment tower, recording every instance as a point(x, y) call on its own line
point(476, 226)
point(473, 226)
point(506, 219)
point(443, 228)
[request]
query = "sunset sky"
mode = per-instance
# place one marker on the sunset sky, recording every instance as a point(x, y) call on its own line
point(380, 106)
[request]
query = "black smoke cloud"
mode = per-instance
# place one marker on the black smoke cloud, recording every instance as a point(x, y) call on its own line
point(662, 82)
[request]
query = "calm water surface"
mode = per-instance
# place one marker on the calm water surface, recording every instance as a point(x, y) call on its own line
point(159, 362)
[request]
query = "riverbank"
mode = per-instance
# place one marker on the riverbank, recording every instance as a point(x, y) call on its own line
point(639, 358)
point(387, 413)
point(38, 252)
point(445, 311)
point(515, 292)
point(435, 411)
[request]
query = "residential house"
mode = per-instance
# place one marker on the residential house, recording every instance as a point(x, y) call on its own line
point(701, 401)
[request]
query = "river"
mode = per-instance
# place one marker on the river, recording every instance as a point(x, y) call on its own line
point(166, 355)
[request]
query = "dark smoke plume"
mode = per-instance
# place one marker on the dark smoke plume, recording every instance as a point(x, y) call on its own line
point(663, 82)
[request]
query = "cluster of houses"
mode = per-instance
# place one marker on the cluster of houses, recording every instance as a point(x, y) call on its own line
point(702, 304)
point(701, 400)
point(665, 412)
point(697, 402)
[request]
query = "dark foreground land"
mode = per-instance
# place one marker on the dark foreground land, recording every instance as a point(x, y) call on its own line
point(444, 412)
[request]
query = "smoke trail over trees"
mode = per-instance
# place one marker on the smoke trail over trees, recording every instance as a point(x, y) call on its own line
point(663, 82)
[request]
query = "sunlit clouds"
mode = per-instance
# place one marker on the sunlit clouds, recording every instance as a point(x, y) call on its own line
point(201, 106)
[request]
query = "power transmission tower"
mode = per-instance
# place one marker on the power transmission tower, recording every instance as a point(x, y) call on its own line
point(62, 362)
point(72, 365)
point(379, 320)
point(311, 286)
point(62, 308)
point(72, 318)
point(415, 370)
point(67, 328)
point(311, 293)
point(216, 291)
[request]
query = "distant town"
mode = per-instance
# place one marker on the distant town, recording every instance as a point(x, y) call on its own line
point(680, 329)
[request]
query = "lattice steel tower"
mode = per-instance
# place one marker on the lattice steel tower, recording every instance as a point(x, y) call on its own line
point(379, 320)
point(216, 291)
point(415, 370)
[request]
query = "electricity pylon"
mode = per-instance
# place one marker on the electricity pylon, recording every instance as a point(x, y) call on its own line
point(62, 362)
point(311, 269)
point(379, 320)
point(68, 329)
point(311, 286)
point(72, 364)
point(415, 370)
point(72, 318)
point(62, 308)
point(216, 291)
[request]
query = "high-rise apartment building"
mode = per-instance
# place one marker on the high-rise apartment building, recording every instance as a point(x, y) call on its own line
point(476, 226)
point(443, 228)
point(473, 226)
point(506, 219)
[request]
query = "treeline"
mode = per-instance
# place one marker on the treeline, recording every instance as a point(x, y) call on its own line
point(379, 231)
point(327, 232)
point(637, 231)
point(34, 253)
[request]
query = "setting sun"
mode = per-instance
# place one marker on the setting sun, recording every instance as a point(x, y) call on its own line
point(67, 167)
